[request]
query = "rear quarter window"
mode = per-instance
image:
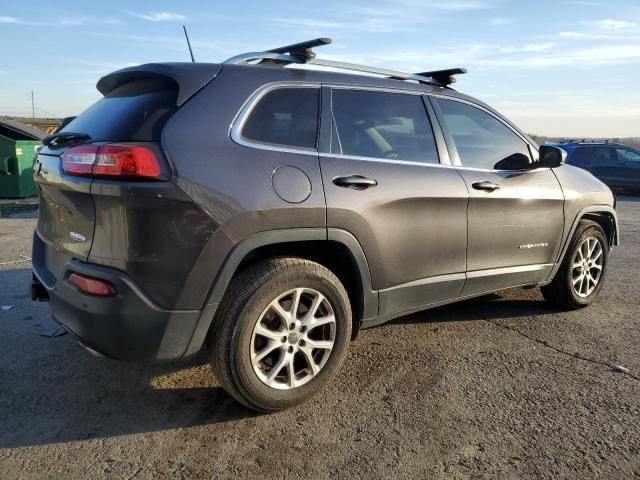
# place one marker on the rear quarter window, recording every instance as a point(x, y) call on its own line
point(285, 117)
point(136, 111)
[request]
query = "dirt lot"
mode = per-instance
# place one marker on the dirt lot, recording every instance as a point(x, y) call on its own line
point(498, 387)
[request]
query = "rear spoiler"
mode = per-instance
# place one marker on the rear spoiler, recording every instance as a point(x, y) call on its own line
point(189, 77)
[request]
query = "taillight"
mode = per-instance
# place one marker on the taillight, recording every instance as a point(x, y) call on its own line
point(92, 286)
point(79, 160)
point(119, 160)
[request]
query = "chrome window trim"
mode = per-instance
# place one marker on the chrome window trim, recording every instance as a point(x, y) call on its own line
point(529, 145)
point(235, 128)
point(381, 160)
point(424, 164)
point(485, 110)
point(238, 122)
point(346, 86)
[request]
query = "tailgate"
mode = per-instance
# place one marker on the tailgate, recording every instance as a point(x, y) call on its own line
point(67, 215)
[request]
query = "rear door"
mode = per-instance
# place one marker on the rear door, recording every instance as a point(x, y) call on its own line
point(515, 217)
point(384, 184)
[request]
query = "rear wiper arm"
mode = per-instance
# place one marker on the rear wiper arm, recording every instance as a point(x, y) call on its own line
point(60, 138)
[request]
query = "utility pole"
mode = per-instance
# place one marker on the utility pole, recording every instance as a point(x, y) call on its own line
point(33, 106)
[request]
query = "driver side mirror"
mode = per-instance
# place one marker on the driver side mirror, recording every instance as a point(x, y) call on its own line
point(551, 157)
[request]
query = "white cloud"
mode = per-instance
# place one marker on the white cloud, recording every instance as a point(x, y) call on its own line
point(4, 19)
point(530, 47)
point(528, 56)
point(174, 43)
point(159, 16)
point(67, 21)
point(73, 21)
point(382, 16)
point(367, 24)
point(462, 6)
point(583, 3)
point(611, 24)
point(394, 5)
point(585, 36)
point(499, 21)
point(314, 23)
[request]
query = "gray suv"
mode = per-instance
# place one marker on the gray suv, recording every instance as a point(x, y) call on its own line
point(267, 213)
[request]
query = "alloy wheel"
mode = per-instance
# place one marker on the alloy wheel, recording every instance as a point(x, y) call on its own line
point(586, 269)
point(293, 338)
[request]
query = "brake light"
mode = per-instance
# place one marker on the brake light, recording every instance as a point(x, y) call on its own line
point(118, 160)
point(92, 286)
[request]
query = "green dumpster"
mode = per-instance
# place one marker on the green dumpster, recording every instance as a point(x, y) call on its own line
point(16, 167)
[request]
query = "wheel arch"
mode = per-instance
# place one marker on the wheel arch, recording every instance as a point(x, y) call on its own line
point(603, 215)
point(336, 249)
point(608, 221)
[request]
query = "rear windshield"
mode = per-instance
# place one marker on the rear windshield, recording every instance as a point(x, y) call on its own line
point(136, 111)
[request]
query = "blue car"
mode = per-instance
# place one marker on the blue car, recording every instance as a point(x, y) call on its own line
point(615, 164)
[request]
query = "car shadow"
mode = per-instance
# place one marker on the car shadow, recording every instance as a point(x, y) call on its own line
point(52, 390)
point(73, 396)
point(109, 398)
point(512, 304)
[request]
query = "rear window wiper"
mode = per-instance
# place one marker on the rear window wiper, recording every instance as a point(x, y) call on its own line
point(60, 138)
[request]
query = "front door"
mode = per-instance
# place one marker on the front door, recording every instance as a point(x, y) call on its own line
point(515, 217)
point(384, 184)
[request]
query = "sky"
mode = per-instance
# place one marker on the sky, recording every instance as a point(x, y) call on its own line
point(557, 68)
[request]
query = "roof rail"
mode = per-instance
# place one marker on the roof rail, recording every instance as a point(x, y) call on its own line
point(590, 140)
point(302, 53)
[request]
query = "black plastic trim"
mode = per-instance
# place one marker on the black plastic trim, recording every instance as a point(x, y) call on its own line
point(607, 209)
point(273, 237)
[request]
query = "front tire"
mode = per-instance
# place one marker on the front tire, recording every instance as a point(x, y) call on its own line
point(582, 273)
point(281, 333)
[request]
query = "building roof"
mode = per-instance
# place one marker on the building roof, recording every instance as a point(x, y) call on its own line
point(20, 129)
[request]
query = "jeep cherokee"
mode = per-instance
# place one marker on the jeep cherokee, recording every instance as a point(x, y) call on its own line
point(266, 213)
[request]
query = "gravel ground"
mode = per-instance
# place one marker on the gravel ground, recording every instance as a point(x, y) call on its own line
point(497, 387)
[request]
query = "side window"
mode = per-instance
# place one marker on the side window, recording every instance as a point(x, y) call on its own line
point(374, 124)
point(482, 140)
point(628, 155)
point(286, 117)
point(594, 156)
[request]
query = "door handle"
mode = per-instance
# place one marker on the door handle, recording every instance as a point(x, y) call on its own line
point(486, 185)
point(357, 182)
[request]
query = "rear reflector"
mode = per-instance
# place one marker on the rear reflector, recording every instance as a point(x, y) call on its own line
point(92, 286)
point(112, 160)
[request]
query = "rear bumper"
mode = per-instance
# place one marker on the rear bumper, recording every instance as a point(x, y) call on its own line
point(128, 326)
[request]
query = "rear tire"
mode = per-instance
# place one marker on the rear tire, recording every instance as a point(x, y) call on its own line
point(270, 355)
point(582, 273)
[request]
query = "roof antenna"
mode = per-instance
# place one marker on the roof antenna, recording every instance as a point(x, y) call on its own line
point(188, 43)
